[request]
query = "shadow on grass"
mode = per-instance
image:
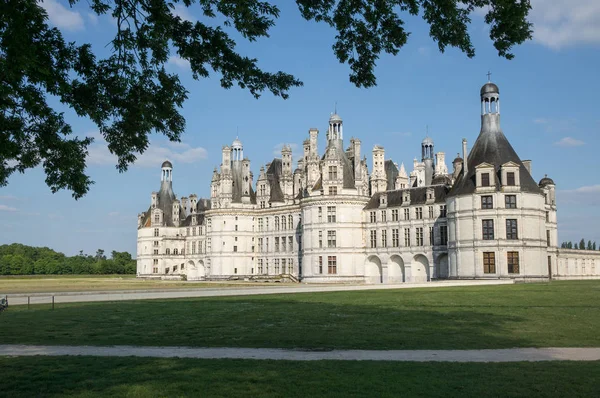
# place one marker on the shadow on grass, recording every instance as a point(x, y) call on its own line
point(141, 377)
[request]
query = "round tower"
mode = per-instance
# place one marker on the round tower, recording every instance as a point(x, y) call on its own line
point(167, 172)
point(237, 150)
point(490, 108)
point(427, 158)
point(335, 134)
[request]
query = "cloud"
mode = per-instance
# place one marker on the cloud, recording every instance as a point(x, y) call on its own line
point(62, 17)
point(586, 195)
point(563, 23)
point(177, 152)
point(7, 208)
point(113, 214)
point(8, 197)
point(182, 12)
point(179, 62)
point(93, 18)
point(569, 142)
point(540, 121)
point(424, 51)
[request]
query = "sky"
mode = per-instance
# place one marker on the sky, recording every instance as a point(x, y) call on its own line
point(548, 95)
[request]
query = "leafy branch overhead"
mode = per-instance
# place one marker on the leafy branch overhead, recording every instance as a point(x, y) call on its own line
point(130, 95)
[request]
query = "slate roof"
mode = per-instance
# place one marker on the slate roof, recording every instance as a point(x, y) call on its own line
point(347, 165)
point(418, 196)
point(391, 172)
point(274, 173)
point(166, 197)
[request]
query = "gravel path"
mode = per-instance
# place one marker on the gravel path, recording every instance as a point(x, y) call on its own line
point(501, 355)
point(79, 297)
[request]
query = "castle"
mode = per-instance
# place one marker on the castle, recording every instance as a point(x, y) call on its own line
point(330, 220)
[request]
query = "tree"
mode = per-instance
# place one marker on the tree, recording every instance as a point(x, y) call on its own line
point(129, 94)
point(100, 255)
point(582, 244)
point(589, 245)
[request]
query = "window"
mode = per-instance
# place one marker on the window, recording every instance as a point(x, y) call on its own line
point(291, 222)
point(267, 223)
point(443, 211)
point(395, 215)
point(283, 265)
point(260, 224)
point(489, 263)
point(419, 213)
point(510, 178)
point(383, 215)
point(187, 231)
point(156, 251)
point(155, 261)
point(331, 239)
point(407, 214)
point(260, 265)
point(157, 217)
point(155, 231)
point(291, 243)
point(194, 231)
point(431, 236)
point(511, 229)
point(547, 238)
point(235, 249)
point(547, 216)
point(331, 214)
point(168, 251)
point(208, 244)
point(320, 264)
point(174, 268)
point(332, 190)
point(276, 266)
point(260, 245)
point(373, 239)
point(155, 270)
point(276, 244)
point(488, 229)
point(513, 262)
point(395, 238)
point(384, 238)
point(373, 216)
point(333, 172)
point(510, 201)
point(320, 214)
point(283, 223)
point(320, 239)
point(331, 264)
point(487, 202)
point(430, 211)
point(276, 223)
point(444, 235)
point(155, 243)
point(485, 179)
point(175, 251)
point(283, 244)
point(167, 270)
point(419, 236)
point(406, 237)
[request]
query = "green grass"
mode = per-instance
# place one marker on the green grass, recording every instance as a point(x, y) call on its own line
point(89, 283)
point(558, 314)
point(142, 377)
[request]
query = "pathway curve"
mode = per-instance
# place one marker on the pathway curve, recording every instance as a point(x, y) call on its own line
point(500, 355)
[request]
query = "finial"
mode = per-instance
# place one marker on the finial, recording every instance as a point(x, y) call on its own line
point(489, 75)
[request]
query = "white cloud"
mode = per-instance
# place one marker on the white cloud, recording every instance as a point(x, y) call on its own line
point(540, 121)
point(62, 17)
point(8, 197)
point(569, 142)
point(586, 195)
point(113, 214)
point(424, 51)
point(562, 23)
point(176, 152)
point(179, 62)
point(93, 18)
point(7, 208)
point(182, 12)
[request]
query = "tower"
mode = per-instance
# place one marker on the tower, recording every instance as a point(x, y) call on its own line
point(378, 177)
point(237, 150)
point(490, 108)
point(335, 134)
point(427, 158)
point(287, 182)
point(166, 177)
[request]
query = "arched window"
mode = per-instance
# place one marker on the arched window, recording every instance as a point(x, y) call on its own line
point(168, 251)
point(175, 251)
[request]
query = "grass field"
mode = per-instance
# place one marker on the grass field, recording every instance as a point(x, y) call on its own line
point(556, 314)
point(140, 377)
point(89, 283)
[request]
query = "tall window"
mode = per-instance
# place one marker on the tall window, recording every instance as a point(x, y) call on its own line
point(320, 211)
point(373, 216)
point(406, 236)
point(155, 262)
point(489, 263)
point(290, 243)
point(331, 241)
point(320, 238)
point(444, 235)
point(383, 215)
point(320, 264)
point(407, 214)
point(155, 243)
point(419, 236)
point(155, 251)
point(547, 216)
point(395, 215)
point(510, 201)
point(419, 213)
point(155, 231)
point(384, 238)
point(291, 221)
point(430, 211)
point(193, 247)
point(373, 239)
point(332, 190)
point(276, 223)
point(260, 245)
point(157, 217)
point(443, 211)
point(260, 224)
point(283, 244)
point(487, 202)
point(331, 264)
point(511, 229)
point(547, 238)
point(331, 214)
point(276, 266)
point(513, 262)
point(276, 244)
point(510, 178)
point(283, 223)
point(168, 251)
point(333, 172)
point(485, 179)
point(431, 236)
point(488, 229)
point(395, 237)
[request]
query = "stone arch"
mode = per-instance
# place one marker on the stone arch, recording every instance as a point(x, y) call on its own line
point(396, 270)
point(373, 270)
point(420, 268)
point(442, 269)
point(195, 271)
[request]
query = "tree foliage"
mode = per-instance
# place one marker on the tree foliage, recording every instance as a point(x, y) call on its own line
point(130, 94)
point(17, 259)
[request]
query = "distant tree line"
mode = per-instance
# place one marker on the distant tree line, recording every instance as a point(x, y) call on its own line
point(581, 246)
point(17, 259)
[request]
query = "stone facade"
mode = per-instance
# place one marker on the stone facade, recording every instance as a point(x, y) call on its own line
point(330, 220)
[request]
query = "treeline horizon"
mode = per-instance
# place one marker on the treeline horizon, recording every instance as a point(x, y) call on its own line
point(581, 245)
point(19, 259)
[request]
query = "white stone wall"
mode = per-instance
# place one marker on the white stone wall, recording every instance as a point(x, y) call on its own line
point(577, 264)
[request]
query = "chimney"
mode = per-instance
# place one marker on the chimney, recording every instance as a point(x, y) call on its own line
point(527, 164)
point(465, 168)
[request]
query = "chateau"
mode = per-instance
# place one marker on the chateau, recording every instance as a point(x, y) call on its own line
point(331, 220)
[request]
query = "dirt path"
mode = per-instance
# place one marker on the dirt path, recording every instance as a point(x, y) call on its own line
point(501, 355)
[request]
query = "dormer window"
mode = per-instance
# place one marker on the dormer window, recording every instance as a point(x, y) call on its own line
point(510, 176)
point(510, 179)
point(485, 179)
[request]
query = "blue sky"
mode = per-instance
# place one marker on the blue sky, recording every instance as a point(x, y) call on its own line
point(549, 114)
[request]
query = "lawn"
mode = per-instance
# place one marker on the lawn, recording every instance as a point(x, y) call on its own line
point(142, 377)
point(557, 314)
point(85, 283)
